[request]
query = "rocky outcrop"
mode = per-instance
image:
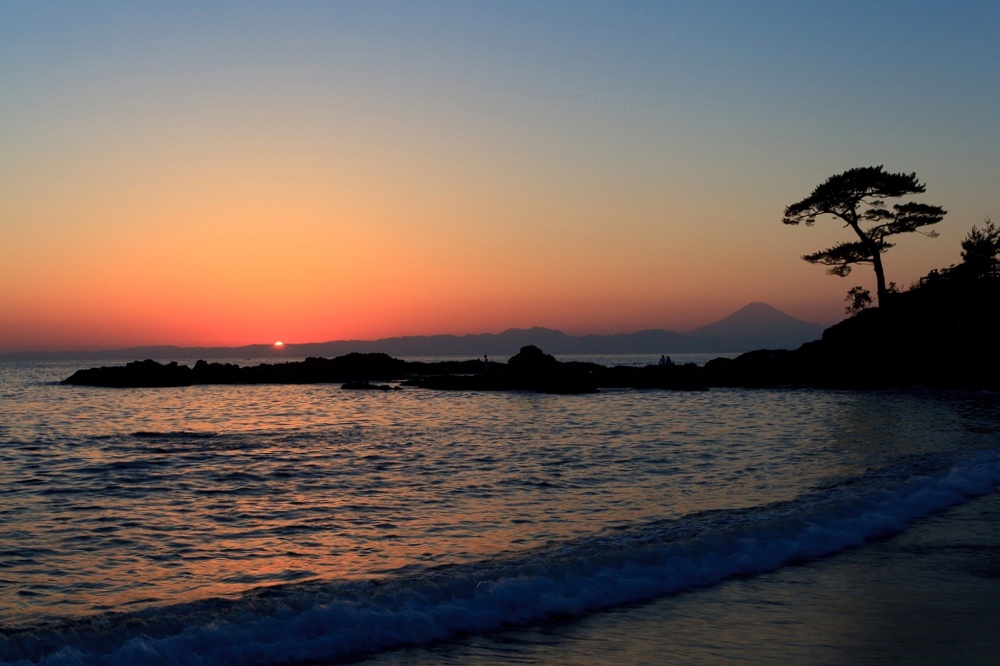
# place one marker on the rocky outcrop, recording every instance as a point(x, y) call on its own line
point(942, 336)
point(350, 368)
point(529, 370)
point(134, 375)
point(367, 386)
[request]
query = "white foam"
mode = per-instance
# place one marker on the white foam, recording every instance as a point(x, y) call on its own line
point(337, 621)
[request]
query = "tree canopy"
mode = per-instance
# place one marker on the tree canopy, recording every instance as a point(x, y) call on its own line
point(981, 250)
point(857, 197)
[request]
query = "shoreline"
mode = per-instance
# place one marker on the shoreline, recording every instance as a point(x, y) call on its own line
point(811, 366)
point(928, 595)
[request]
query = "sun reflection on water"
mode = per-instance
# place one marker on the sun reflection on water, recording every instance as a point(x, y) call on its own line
point(154, 496)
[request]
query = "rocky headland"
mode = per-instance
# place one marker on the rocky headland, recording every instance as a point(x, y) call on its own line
point(941, 334)
point(529, 370)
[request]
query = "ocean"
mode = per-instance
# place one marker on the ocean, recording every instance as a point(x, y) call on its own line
point(315, 525)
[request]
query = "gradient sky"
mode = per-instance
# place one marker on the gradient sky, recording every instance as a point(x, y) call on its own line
point(234, 173)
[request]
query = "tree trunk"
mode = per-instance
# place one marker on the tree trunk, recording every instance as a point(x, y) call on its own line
point(880, 289)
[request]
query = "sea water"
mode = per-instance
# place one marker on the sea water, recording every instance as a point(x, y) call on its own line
point(310, 524)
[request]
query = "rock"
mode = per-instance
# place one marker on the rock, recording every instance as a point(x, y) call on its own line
point(136, 374)
point(367, 386)
point(532, 369)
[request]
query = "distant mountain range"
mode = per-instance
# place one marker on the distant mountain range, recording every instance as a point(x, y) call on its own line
point(760, 326)
point(755, 326)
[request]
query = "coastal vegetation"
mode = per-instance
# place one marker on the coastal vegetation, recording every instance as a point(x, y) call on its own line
point(857, 198)
point(941, 333)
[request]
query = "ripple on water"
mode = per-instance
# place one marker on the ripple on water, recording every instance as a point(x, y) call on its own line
point(210, 490)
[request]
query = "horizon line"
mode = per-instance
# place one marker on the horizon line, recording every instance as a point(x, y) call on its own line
point(284, 345)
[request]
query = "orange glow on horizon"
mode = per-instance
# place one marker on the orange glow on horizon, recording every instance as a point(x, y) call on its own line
point(362, 176)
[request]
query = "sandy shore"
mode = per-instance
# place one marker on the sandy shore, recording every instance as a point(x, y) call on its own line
point(928, 596)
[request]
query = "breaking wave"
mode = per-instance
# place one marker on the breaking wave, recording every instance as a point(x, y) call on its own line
point(330, 621)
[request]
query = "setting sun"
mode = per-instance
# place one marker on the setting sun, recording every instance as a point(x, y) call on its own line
point(210, 193)
point(279, 344)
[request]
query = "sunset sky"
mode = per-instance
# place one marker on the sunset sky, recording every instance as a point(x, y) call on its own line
point(214, 173)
